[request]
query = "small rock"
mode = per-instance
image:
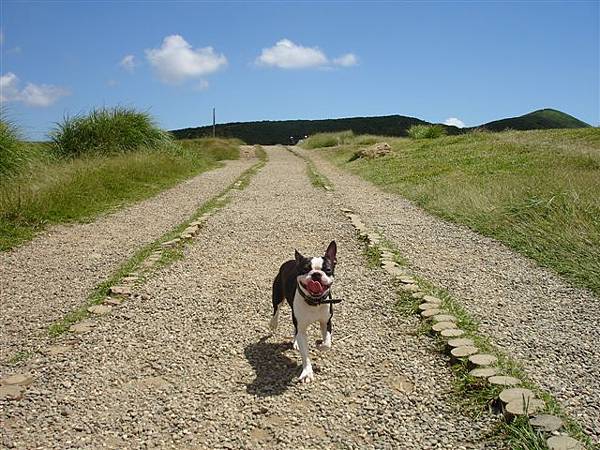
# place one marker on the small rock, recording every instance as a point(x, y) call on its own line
point(401, 384)
point(452, 332)
point(17, 378)
point(443, 326)
point(564, 443)
point(112, 301)
point(120, 290)
point(57, 349)
point(483, 359)
point(431, 299)
point(546, 422)
point(462, 352)
point(502, 380)
point(81, 327)
point(511, 394)
point(430, 313)
point(484, 372)
point(460, 342)
point(426, 306)
point(99, 310)
point(520, 408)
point(444, 318)
point(11, 392)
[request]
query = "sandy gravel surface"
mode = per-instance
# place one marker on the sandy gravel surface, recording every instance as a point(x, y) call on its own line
point(551, 327)
point(195, 367)
point(54, 273)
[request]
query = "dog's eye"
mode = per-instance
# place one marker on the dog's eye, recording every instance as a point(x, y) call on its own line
point(304, 269)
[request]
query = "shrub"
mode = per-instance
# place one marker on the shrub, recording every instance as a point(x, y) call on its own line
point(10, 148)
point(108, 130)
point(328, 139)
point(426, 131)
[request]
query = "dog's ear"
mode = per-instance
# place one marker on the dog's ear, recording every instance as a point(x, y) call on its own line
point(298, 256)
point(331, 252)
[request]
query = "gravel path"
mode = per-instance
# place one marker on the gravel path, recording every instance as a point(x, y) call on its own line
point(55, 272)
point(194, 366)
point(532, 314)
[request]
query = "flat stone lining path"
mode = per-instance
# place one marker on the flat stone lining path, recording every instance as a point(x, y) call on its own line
point(46, 278)
point(529, 312)
point(193, 365)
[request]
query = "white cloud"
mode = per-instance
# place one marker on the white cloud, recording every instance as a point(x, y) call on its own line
point(455, 122)
point(287, 55)
point(9, 87)
point(176, 60)
point(40, 95)
point(128, 63)
point(347, 60)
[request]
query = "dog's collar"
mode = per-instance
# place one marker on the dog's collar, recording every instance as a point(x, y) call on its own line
point(315, 301)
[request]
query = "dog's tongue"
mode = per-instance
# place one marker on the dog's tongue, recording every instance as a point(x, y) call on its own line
point(315, 287)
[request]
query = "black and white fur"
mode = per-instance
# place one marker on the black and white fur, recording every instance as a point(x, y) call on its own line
point(295, 275)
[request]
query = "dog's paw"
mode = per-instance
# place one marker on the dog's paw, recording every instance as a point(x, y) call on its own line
point(324, 346)
point(295, 345)
point(306, 376)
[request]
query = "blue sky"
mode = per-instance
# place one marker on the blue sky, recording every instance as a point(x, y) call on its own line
point(475, 61)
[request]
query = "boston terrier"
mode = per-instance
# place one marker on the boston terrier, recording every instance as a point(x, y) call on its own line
point(306, 284)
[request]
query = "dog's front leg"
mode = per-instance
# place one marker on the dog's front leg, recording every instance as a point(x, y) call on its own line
point(325, 336)
point(307, 372)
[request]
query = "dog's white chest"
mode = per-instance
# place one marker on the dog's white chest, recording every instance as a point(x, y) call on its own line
point(306, 314)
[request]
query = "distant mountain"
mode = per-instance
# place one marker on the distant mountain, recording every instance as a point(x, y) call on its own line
point(280, 131)
point(537, 120)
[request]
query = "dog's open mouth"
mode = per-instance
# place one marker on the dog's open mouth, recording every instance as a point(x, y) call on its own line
point(315, 288)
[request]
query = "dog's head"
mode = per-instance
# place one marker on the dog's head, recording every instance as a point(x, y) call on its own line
point(315, 275)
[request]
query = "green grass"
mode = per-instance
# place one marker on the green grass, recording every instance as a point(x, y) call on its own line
point(426, 131)
point(78, 189)
point(536, 191)
point(327, 139)
point(316, 178)
point(108, 130)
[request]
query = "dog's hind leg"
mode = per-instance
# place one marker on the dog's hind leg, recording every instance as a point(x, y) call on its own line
point(277, 302)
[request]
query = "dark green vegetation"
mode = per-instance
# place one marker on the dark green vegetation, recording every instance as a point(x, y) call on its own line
point(51, 185)
point(108, 130)
point(542, 119)
point(536, 191)
point(426, 131)
point(279, 132)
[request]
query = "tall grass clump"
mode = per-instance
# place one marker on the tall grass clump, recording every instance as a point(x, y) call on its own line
point(11, 152)
point(321, 140)
point(108, 130)
point(426, 131)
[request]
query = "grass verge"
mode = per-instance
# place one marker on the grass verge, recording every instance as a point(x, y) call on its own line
point(79, 189)
point(536, 191)
point(168, 255)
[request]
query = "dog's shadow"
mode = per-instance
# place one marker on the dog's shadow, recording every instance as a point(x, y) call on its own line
point(275, 372)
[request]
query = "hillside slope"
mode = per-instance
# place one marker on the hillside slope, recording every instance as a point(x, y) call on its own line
point(541, 119)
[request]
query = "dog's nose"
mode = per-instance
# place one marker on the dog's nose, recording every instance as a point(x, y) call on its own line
point(316, 276)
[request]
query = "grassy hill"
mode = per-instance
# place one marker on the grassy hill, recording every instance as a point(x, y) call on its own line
point(542, 119)
point(279, 131)
point(537, 191)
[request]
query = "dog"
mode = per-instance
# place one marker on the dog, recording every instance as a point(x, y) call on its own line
point(306, 285)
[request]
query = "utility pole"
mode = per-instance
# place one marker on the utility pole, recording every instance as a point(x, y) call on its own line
point(214, 124)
